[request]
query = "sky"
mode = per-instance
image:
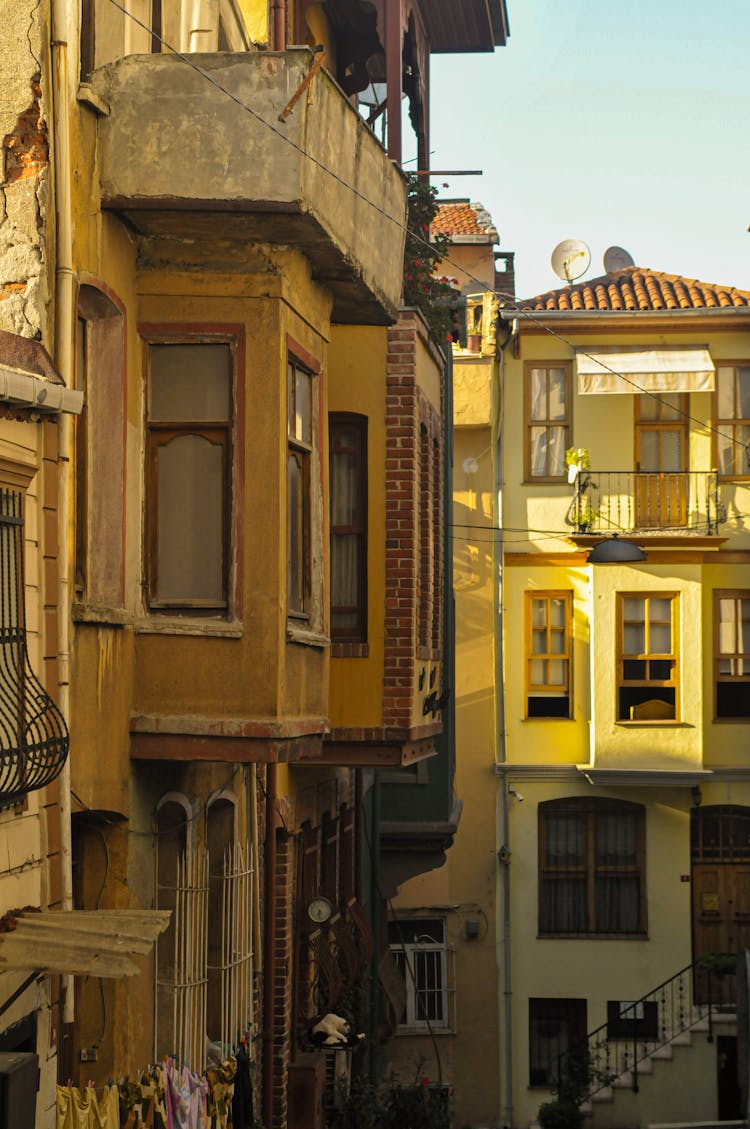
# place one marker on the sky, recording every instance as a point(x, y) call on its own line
point(617, 122)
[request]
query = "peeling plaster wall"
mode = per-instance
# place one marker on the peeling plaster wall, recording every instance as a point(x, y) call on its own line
point(23, 171)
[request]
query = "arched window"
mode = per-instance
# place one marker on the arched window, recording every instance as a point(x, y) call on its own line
point(592, 873)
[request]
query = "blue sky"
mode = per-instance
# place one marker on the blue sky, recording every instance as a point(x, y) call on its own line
point(613, 121)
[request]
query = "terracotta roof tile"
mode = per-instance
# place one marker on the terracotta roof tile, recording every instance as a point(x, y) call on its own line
point(460, 217)
point(637, 288)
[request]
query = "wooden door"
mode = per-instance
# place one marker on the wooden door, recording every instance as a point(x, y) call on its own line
point(661, 440)
point(720, 892)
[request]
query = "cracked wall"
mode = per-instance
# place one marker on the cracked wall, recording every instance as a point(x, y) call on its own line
point(24, 171)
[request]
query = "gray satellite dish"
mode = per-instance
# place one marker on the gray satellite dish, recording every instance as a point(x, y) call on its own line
point(617, 258)
point(570, 259)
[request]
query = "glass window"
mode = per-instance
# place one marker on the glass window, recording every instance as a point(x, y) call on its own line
point(548, 654)
point(591, 873)
point(187, 480)
point(732, 419)
point(420, 952)
point(647, 658)
point(556, 1027)
point(732, 654)
point(348, 486)
point(299, 454)
point(548, 400)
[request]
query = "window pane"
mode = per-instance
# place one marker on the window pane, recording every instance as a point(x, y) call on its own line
point(669, 405)
point(556, 672)
point(539, 642)
point(295, 531)
point(538, 393)
point(725, 382)
point(634, 639)
point(565, 840)
point(743, 392)
point(538, 440)
point(660, 642)
point(190, 382)
point(556, 455)
point(557, 393)
point(538, 672)
point(671, 450)
point(725, 446)
point(303, 426)
point(539, 613)
point(557, 642)
point(634, 608)
point(343, 488)
point(344, 570)
point(648, 407)
point(617, 904)
point(557, 613)
point(190, 561)
point(615, 839)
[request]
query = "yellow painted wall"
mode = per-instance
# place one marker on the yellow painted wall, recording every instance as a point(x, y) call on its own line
point(356, 371)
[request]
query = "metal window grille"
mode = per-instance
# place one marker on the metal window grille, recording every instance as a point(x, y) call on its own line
point(427, 966)
point(234, 971)
point(34, 739)
point(181, 991)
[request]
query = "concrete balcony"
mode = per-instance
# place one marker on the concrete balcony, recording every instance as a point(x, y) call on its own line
point(179, 157)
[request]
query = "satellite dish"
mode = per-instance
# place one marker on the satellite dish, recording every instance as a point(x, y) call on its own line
point(570, 259)
point(617, 258)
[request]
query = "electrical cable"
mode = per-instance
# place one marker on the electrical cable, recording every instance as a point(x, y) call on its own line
point(514, 308)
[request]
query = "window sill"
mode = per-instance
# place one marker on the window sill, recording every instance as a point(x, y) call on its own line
point(344, 650)
point(655, 723)
point(406, 1029)
point(174, 625)
point(297, 633)
point(592, 936)
point(91, 613)
point(547, 719)
point(731, 721)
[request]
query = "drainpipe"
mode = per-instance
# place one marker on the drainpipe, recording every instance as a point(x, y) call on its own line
point(503, 820)
point(270, 943)
point(64, 322)
point(278, 7)
point(254, 846)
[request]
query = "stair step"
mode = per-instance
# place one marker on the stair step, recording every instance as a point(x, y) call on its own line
point(684, 1039)
point(603, 1095)
point(664, 1052)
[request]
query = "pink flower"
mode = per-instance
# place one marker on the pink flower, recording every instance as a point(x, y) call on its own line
point(425, 1081)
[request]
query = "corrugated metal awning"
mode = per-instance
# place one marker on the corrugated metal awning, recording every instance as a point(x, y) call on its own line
point(80, 942)
point(613, 370)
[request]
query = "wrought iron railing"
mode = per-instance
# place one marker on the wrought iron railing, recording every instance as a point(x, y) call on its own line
point(615, 501)
point(636, 1029)
point(33, 735)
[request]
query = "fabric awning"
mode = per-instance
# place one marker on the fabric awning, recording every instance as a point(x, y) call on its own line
point(81, 942)
point(644, 370)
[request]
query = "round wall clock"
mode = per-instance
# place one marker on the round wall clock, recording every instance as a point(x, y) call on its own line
point(319, 910)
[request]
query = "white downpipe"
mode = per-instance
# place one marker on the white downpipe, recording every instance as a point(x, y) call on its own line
point(64, 357)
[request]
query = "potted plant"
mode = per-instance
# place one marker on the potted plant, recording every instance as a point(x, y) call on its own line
point(577, 459)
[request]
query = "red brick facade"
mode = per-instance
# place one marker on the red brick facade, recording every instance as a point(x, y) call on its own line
point(414, 523)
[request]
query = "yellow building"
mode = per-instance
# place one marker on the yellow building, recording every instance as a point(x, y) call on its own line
point(444, 922)
point(251, 537)
point(622, 754)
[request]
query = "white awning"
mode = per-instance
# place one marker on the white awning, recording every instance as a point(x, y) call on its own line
point(644, 370)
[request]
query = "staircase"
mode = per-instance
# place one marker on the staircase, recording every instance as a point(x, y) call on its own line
point(662, 1044)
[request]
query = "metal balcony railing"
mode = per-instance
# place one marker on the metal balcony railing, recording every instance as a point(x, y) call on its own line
point(635, 1030)
point(615, 501)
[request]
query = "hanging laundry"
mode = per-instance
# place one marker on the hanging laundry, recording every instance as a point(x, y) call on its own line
point(81, 1109)
point(186, 1098)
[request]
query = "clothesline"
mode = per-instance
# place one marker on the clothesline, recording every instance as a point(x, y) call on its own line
point(164, 1096)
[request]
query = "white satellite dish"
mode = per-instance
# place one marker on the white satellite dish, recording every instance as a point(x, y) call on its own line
point(617, 258)
point(570, 259)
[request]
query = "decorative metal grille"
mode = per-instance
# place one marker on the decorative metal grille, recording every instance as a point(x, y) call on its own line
point(233, 973)
point(181, 987)
point(34, 739)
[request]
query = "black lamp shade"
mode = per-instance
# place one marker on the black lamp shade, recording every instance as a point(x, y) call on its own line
point(615, 551)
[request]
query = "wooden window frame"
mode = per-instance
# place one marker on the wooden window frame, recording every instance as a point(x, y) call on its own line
point(728, 424)
point(303, 452)
point(589, 808)
point(719, 595)
point(647, 656)
point(566, 425)
point(158, 433)
point(358, 424)
point(566, 595)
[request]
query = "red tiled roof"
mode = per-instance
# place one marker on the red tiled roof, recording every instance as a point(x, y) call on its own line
point(637, 288)
point(461, 217)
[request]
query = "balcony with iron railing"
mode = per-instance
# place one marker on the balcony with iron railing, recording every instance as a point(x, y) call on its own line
point(666, 503)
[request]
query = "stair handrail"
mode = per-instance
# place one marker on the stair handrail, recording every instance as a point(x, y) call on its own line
point(581, 1074)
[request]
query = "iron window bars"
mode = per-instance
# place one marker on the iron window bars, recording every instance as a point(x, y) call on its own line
point(34, 739)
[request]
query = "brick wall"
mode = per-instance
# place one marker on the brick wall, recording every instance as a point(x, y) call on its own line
point(414, 523)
